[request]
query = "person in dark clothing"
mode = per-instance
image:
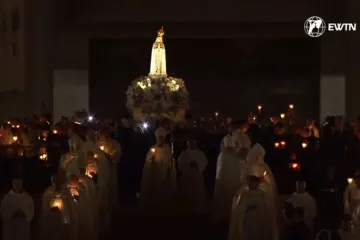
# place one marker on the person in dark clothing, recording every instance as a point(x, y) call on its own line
point(297, 229)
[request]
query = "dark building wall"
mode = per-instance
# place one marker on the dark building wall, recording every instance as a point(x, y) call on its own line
point(227, 75)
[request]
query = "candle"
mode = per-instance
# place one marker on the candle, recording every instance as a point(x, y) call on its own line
point(265, 173)
point(96, 156)
point(304, 145)
point(43, 157)
point(15, 138)
point(55, 131)
point(17, 126)
point(216, 114)
point(291, 106)
point(283, 143)
point(153, 150)
point(102, 148)
point(276, 145)
point(57, 203)
point(282, 115)
point(350, 180)
point(259, 107)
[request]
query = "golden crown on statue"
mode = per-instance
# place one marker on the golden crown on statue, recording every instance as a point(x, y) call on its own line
point(161, 32)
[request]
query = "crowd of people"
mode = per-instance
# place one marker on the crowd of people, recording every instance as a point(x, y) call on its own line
point(233, 173)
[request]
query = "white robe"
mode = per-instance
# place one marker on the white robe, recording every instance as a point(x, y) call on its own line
point(86, 214)
point(229, 180)
point(69, 163)
point(352, 202)
point(17, 228)
point(70, 220)
point(158, 183)
point(256, 156)
point(93, 205)
point(256, 217)
point(307, 202)
point(113, 150)
point(192, 190)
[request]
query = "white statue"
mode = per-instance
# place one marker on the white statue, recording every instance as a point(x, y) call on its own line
point(158, 56)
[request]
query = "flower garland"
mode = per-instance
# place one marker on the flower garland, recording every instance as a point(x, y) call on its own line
point(157, 97)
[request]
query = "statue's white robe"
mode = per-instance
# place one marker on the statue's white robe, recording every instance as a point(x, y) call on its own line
point(256, 217)
point(307, 202)
point(70, 219)
point(113, 150)
point(17, 228)
point(192, 190)
point(158, 184)
point(229, 178)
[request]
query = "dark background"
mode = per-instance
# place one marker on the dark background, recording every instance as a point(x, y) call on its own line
point(231, 76)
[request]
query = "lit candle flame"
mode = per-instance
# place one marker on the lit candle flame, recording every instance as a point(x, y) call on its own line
point(276, 144)
point(96, 156)
point(259, 107)
point(55, 131)
point(265, 173)
point(153, 150)
point(17, 126)
point(15, 138)
point(282, 115)
point(8, 122)
point(283, 143)
point(216, 114)
point(350, 180)
point(291, 106)
point(102, 148)
point(304, 145)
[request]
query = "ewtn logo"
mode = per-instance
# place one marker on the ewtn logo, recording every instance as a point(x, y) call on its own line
point(315, 27)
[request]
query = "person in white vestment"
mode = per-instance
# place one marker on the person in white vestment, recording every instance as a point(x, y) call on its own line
point(17, 211)
point(93, 206)
point(113, 151)
point(347, 230)
point(301, 198)
point(85, 208)
point(256, 213)
point(229, 177)
point(256, 156)
point(98, 164)
point(352, 199)
point(158, 183)
point(58, 215)
point(192, 163)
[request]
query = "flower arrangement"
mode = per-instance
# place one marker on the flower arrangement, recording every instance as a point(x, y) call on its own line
point(157, 97)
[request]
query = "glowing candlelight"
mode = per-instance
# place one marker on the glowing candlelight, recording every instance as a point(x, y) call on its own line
point(265, 173)
point(153, 150)
point(259, 107)
point(282, 115)
point(96, 156)
point(102, 148)
point(216, 114)
point(15, 138)
point(43, 157)
point(350, 180)
point(57, 203)
point(291, 106)
point(17, 126)
point(8, 122)
point(283, 143)
point(304, 145)
point(55, 131)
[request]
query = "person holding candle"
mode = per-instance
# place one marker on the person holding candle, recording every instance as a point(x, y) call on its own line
point(192, 163)
point(352, 197)
point(256, 157)
point(158, 183)
point(58, 218)
point(113, 151)
point(17, 211)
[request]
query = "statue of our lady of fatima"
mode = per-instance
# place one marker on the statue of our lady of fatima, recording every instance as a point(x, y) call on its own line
point(158, 56)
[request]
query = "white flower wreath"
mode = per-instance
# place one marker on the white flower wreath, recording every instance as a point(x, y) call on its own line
point(160, 97)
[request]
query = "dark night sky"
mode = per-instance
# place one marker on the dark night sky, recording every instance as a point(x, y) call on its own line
point(231, 76)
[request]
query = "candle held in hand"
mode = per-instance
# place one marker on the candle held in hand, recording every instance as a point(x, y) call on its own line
point(102, 148)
